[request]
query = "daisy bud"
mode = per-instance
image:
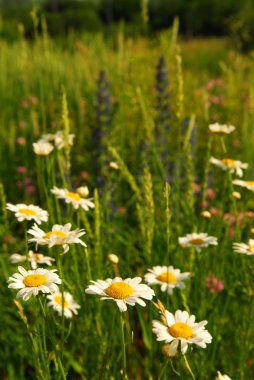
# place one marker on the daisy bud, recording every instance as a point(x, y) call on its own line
point(206, 214)
point(236, 195)
point(83, 191)
point(166, 350)
point(114, 165)
point(114, 259)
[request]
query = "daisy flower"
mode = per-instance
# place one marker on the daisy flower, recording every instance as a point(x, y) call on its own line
point(59, 235)
point(59, 139)
point(32, 282)
point(228, 164)
point(74, 198)
point(42, 148)
point(181, 328)
point(246, 184)
point(222, 377)
point(33, 257)
point(123, 292)
point(197, 241)
point(222, 129)
point(28, 212)
point(67, 304)
point(168, 277)
point(248, 249)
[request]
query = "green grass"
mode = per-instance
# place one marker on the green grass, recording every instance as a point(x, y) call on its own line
point(136, 216)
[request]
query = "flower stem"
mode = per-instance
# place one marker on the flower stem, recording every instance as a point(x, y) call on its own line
point(26, 245)
point(59, 266)
point(41, 335)
point(162, 372)
point(188, 367)
point(123, 347)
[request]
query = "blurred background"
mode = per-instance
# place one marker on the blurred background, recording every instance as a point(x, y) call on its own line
point(197, 17)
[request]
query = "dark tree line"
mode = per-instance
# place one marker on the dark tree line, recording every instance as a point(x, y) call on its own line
point(197, 17)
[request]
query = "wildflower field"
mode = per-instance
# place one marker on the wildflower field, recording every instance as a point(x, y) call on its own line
point(127, 209)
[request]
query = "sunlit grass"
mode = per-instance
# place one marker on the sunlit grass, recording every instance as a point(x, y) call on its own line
point(141, 157)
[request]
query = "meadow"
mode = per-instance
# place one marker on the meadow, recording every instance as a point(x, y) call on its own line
point(139, 178)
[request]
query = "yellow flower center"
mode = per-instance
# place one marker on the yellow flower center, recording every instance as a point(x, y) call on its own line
point(37, 256)
point(33, 280)
point(119, 290)
point(58, 300)
point(167, 277)
point(251, 247)
point(57, 233)
point(74, 196)
point(180, 330)
point(251, 183)
point(228, 162)
point(27, 211)
point(197, 241)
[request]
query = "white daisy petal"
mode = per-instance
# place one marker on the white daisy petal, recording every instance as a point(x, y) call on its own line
point(222, 377)
point(221, 129)
point(123, 292)
point(28, 212)
point(63, 304)
point(197, 241)
point(59, 235)
point(246, 184)
point(173, 348)
point(247, 249)
point(168, 277)
point(34, 281)
point(229, 164)
point(75, 198)
point(42, 148)
point(184, 347)
point(181, 327)
point(170, 318)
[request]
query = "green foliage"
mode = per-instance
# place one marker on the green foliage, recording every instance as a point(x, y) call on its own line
point(241, 26)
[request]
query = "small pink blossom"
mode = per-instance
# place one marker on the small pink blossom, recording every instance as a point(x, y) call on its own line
point(204, 204)
point(216, 100)
point(24, 103)
point(214, 211)
point(21, 169)
point(241, 217)
point(121, 210)
point(210, 84)
point(21, 140)
point(34, 100)
point(27, 181)
point(214, 284)
point(30, 189)
point(236, 143)
point(19, 184)
point(84, 174)
point(210, 193)
point(196, 187)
